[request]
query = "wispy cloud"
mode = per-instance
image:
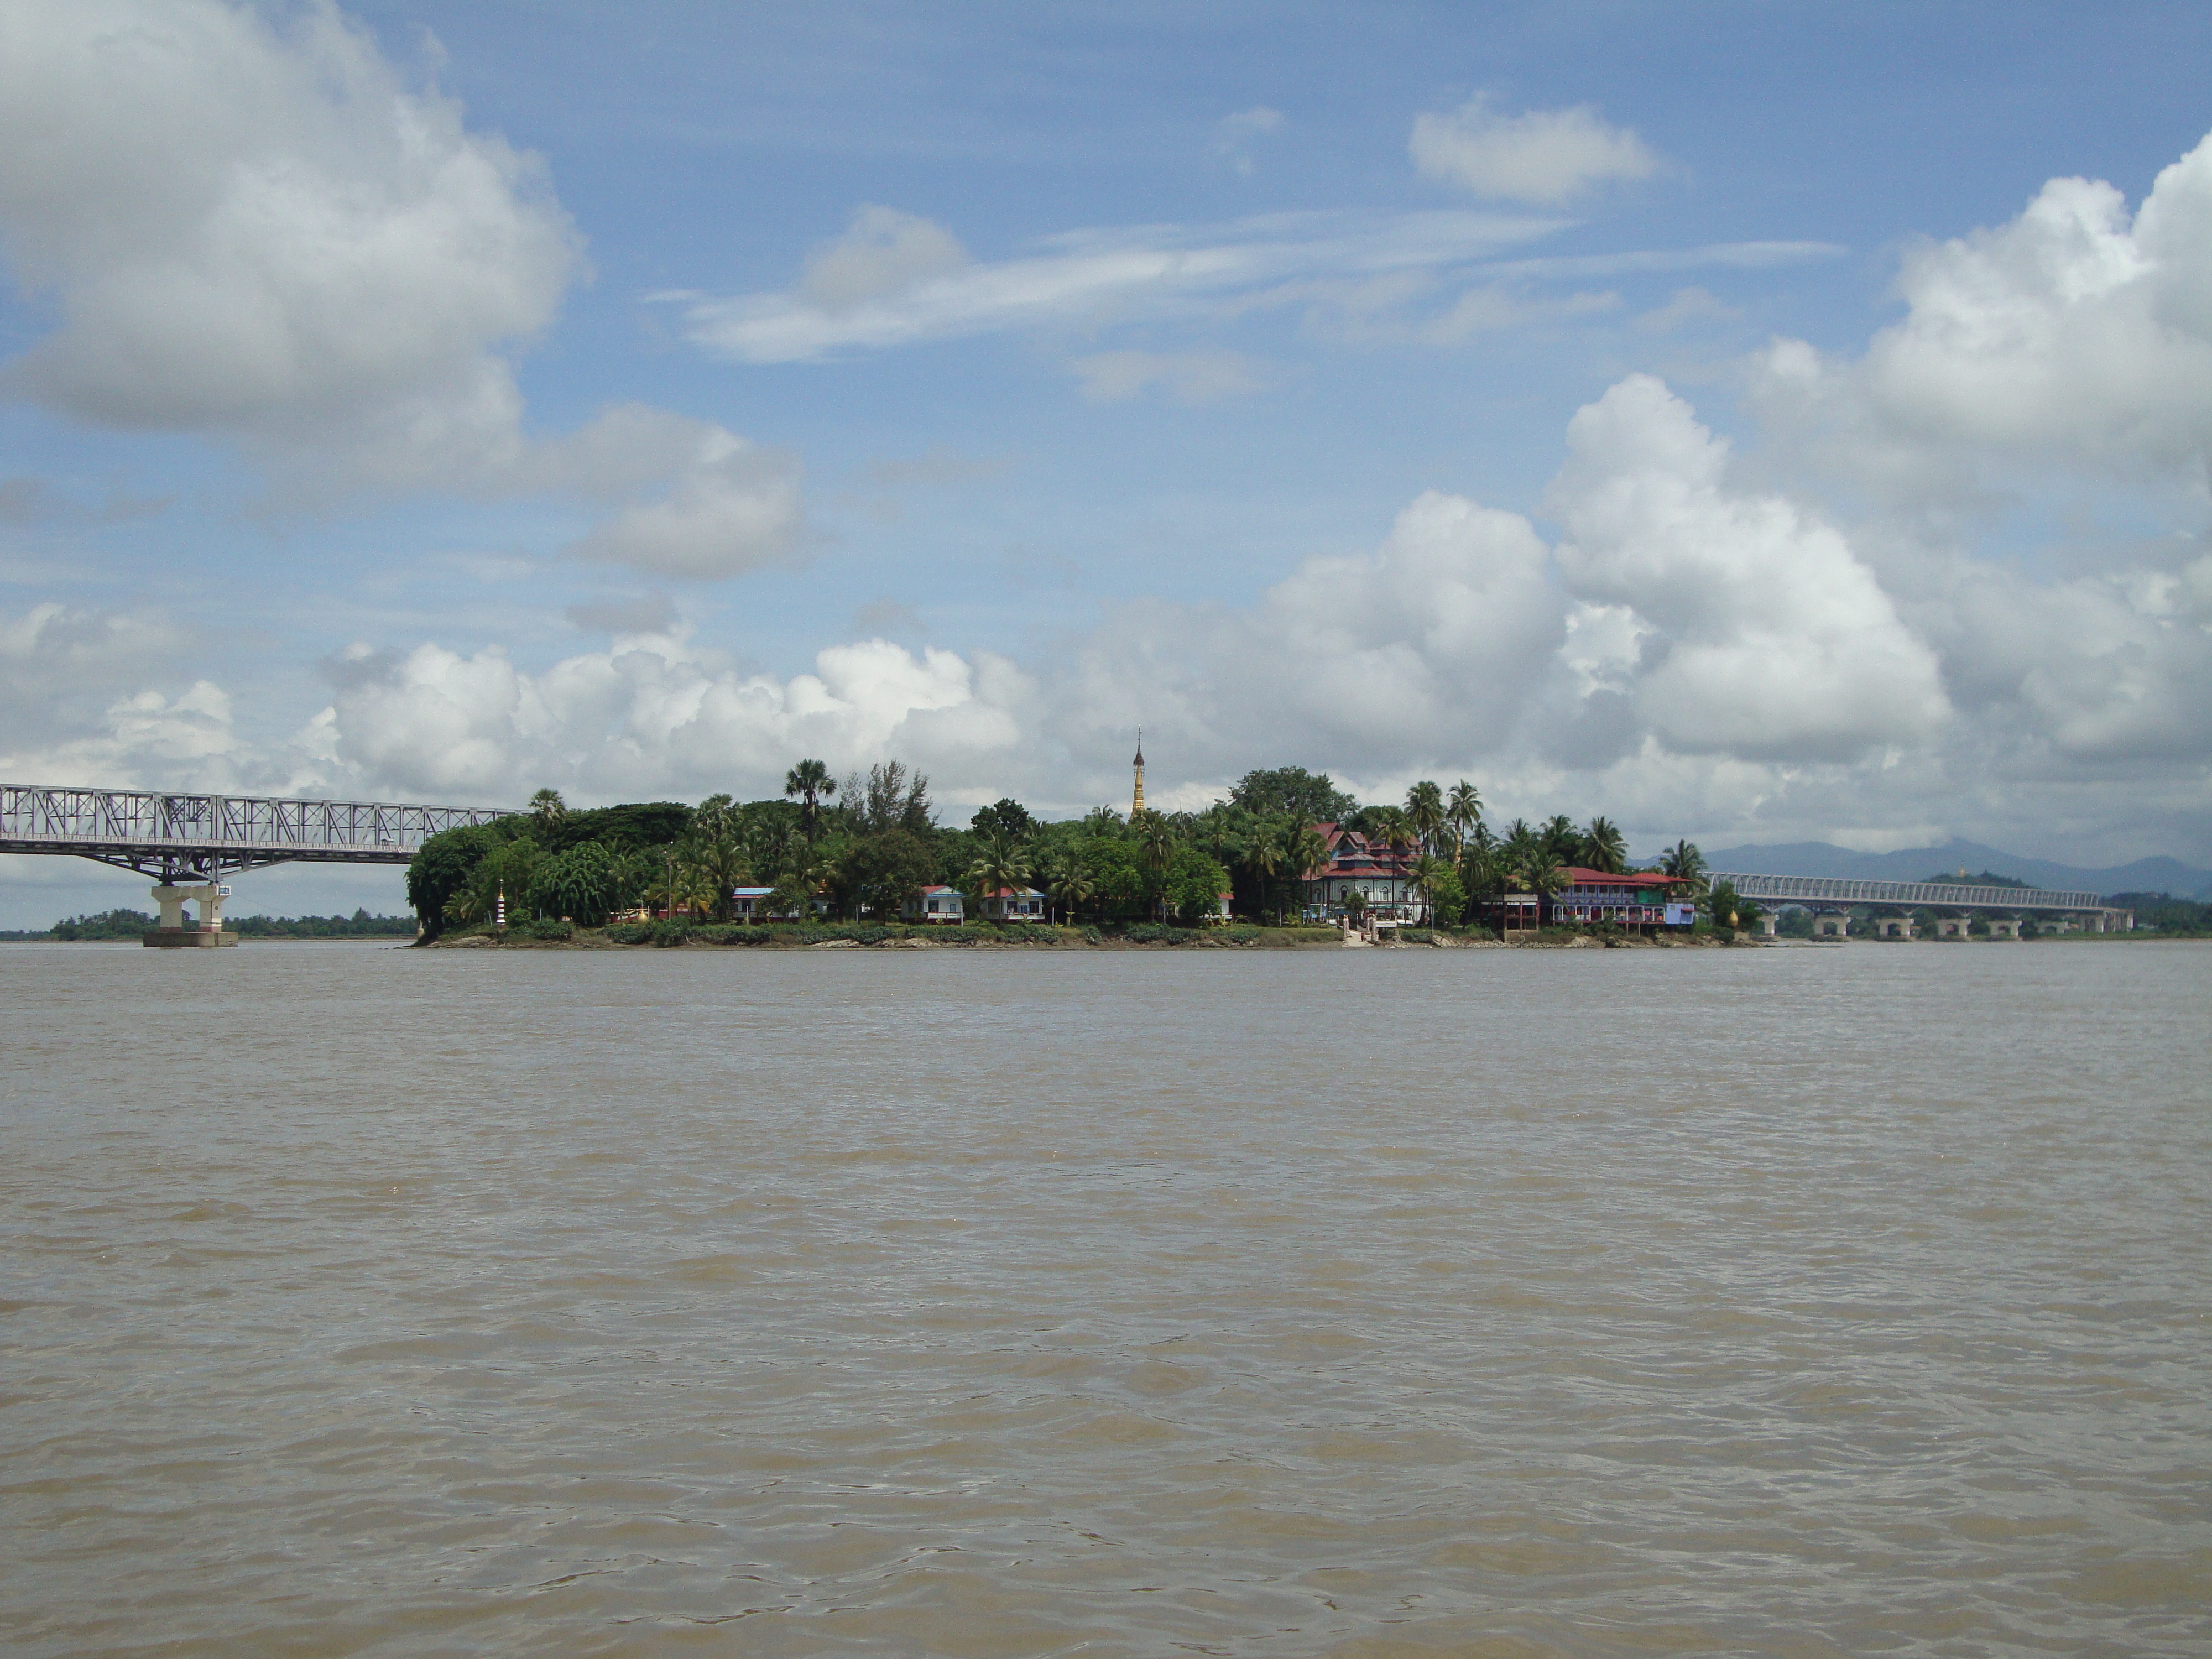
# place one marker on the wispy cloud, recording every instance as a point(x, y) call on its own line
point(893, 280)
point(1085, 277)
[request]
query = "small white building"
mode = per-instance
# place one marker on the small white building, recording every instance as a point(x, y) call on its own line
point(1008, 905)
point(937, 905)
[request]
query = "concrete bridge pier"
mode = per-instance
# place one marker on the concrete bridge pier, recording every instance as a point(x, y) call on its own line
point(173, 899)
point(1894, 928)
point(1769, 926)
point(1952, 927)
point(1832, 926)
point(2004, 928)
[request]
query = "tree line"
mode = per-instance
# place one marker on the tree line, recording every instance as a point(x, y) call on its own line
point(871, 843)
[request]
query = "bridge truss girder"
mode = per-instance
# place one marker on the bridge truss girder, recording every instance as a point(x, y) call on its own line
point(174, 836)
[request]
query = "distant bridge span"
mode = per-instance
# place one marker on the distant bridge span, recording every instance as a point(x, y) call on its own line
point(1825, 891)
point(207, 836)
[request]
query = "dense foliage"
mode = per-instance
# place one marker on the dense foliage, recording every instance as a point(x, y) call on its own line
point(864, 846)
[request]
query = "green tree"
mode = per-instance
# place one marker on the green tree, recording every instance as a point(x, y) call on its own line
point(1000, 863)
point(885, 869)
point(1425, 811)
point(1003, 817)
point(1561, 839)
point(1603, 847)
point(1304, 852)
point(1193, 884)
point(1463, 812)
point(1293, 791)
point(548, 809)
point(810, 784)
point(1155, 845)
point(582, 883)
point(1067, 880)
point(721, 863)
point(1424, 873)
point(1685, 863)
point(442, 868)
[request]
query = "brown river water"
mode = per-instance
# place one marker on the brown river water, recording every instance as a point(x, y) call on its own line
point(1801, 1301)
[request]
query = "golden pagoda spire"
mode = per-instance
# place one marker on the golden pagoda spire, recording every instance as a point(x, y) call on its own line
point(1136, 803)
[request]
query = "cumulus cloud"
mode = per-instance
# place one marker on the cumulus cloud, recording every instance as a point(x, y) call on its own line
point(1546, 157)
point(2074, 334)
point(221, 207)
point(654, 713)
point(250, 226)
point(1770, 638)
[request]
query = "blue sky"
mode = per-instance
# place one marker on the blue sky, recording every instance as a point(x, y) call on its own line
point(1679, 413)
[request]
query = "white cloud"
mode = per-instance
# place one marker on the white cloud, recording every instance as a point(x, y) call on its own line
point(1773, 640)
point(1084, 279)
point(2072, 335)
point(1188, 377)
point(241, 225)
point(1546, 157)
point(882, 251)
point(252, 227)
point(654, 713)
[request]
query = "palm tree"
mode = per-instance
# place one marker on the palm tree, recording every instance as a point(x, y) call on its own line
point(1463, 812)
point(1685, 863)
point(1001, 862)
point(1604, 848)
point(1425, 811)
point(1561, 840)
point(1067, 880)
point(548, 808)
point(719, 864)
point(1303, 850)
point(1484, 873)
point(1263, 855)
point(1425, 872)
point(1544, 878)
point(1155, 845)
point(811, 782)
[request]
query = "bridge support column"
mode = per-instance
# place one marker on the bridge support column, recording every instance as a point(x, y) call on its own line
point(1769, 926)
point(173, 899)
point(2003, 929)
point(1952, 927)
point(1832, 926)
point(1894, 928)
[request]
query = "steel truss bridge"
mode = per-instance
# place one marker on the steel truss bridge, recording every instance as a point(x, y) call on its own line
point(1825, 892)
point(204, 837)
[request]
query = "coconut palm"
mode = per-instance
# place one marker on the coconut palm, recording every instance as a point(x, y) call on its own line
point(1155, 845)
point(1685, 863)
point(1424, 873)
point(1561, 839)
point(719, 864)
point(1302, 851)
point(1001, 862)
point(1463, 812)
point(1604, 848)
point(548, 808)
point(1067, 880)
point(810, 782)
point(1425, 811)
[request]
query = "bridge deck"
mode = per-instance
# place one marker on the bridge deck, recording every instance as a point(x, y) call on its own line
point(1912, 894)
point(169, 834)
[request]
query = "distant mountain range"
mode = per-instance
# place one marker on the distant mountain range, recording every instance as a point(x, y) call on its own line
point(1818, 858)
